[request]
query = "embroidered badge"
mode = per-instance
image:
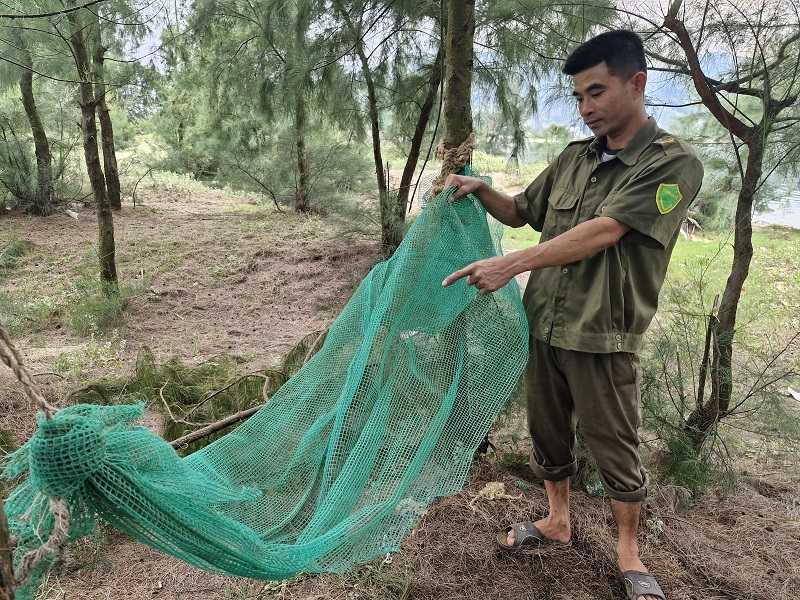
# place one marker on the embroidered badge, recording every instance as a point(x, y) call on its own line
point(667, 197)
point(666, 140)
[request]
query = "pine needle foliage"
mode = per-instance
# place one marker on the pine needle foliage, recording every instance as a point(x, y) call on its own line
point(191, 396)
point(759, 424)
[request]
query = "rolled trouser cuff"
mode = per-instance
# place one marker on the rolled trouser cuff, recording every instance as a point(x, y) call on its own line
point(553, 473)
point(637, 495)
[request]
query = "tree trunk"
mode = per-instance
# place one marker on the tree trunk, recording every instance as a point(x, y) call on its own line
point(459, 57)
point(301, 194)
point(716, 407)
point(391, 230)
point(88, 104)
point(404, 192)
point(43, 198)
point(106, 127)
point(6, 557)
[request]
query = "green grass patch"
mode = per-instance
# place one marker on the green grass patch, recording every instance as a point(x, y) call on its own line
point(770, 299)
point(518, 238)
point(7, 443)
point(11, 250)
point(86, 306)
point(105, 354)
point(98, 307)
point(373, 580)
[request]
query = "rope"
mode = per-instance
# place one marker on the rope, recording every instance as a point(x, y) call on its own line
point(453, 160)
point(58, 506)
point(13, 359)
point(55, 543)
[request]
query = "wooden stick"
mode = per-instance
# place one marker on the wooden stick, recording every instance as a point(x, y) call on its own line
point(6, 557)
point(214, 427)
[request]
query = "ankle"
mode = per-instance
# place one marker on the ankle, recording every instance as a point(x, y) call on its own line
point(559, 520)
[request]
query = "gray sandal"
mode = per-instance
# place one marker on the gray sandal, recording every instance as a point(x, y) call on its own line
point(641, 584)
point(526, 535)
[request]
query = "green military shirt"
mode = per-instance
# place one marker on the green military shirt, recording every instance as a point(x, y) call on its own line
point(604, 303)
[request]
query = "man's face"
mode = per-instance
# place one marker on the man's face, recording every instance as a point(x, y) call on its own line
point(606, 103)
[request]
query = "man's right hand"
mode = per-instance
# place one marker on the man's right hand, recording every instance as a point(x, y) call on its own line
point(466, 185)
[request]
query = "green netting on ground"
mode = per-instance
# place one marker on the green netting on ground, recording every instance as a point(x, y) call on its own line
point(345, 457)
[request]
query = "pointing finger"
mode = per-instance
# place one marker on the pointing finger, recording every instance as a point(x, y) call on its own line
point(453, 277)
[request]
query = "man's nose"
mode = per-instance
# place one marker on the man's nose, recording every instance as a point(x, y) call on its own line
point(586, 108)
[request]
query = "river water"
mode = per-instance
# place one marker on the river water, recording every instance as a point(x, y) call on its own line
point(783, 211)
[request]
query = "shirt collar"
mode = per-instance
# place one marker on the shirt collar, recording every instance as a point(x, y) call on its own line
point(630, 154)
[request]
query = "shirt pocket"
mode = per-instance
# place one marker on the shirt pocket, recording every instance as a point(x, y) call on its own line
point(560, 211)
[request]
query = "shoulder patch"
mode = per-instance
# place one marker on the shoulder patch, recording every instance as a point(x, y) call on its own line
point(587, 140)
point(671, 145)
point(668, 196)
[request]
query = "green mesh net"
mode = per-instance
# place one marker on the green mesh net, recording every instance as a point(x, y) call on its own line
point(345, 457)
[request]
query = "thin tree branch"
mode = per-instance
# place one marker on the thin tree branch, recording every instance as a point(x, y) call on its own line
point(214, 427)
point(704, 89)
point(227, 387)
point(51, 14)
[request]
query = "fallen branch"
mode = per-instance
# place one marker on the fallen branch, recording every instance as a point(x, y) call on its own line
point(214, 427)
point(169, 411)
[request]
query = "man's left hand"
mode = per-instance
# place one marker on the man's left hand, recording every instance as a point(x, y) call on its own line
point(487, 275)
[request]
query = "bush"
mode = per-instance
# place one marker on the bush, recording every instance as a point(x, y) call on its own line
point(97, 306)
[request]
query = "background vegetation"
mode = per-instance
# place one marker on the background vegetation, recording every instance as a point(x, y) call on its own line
point(333, 109)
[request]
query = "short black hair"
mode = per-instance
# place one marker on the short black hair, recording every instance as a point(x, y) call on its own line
point(620, 49)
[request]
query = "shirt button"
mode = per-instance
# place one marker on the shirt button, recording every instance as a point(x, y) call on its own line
point(618, 337)
point(593, 179)
point(602, 208)
point(565, 271)
point(619, 346)
point(547, 329)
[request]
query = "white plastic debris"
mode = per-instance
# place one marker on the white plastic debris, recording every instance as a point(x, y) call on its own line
point(73, 214)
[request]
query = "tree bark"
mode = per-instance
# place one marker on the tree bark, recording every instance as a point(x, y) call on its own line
point(43, 198)
point(391, 229)
point(88, 104)
point(301, 196)
point(716, 407)
point(113, 187)
point(459, 55)
point(6, 557)
point(709, 412)
point(401, 204)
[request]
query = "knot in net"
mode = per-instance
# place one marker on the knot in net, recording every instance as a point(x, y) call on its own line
point(64, 451)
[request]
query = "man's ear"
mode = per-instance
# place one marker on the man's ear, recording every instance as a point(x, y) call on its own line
point(639, 81)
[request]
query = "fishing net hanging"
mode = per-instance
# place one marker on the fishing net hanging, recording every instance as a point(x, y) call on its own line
point(344, 458)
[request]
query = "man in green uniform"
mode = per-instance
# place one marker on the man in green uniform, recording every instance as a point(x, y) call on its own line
point(609, 209)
